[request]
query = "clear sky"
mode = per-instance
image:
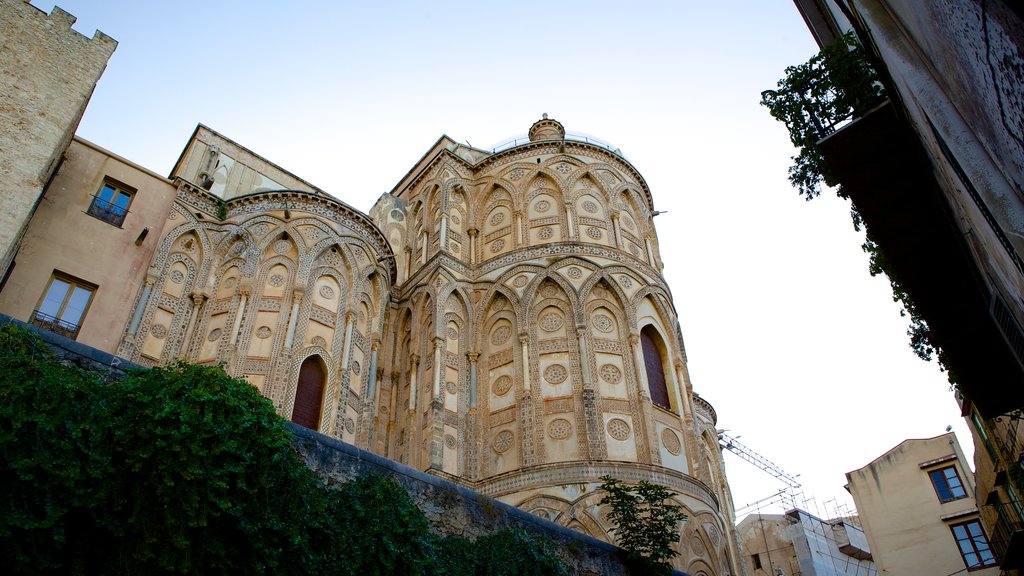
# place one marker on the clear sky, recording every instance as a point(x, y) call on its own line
point(803, 354)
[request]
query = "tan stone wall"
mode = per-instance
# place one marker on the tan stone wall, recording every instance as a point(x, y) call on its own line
point(907, 526)
point(63, 237)
point(515, 356)
point(227, 169)
point(47, 75)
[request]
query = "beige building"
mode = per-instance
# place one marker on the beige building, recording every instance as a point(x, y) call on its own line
point(798, 543)
point(917, 505)
point(499, 318)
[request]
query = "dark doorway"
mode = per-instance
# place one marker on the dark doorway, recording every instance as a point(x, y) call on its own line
point(309, 394)
point(650, 341)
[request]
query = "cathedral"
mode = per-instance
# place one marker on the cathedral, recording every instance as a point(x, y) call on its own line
point(499, 318)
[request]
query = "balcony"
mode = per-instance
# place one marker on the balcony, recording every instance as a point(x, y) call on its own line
point(107, 211)
point(1007, 537)
point(885, 171)
point(53, 324)
point(851, 136)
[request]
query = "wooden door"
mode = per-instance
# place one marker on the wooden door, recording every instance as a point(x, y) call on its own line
point(309, 394)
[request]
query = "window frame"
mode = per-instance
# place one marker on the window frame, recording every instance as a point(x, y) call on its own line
point(108, 210)
point(55, 323)
point(973, 540)
point(945, 482)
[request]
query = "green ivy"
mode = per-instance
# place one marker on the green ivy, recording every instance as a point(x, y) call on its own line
point(646, 526)
point(813, 97)
point(836, 84)
point(185, 470)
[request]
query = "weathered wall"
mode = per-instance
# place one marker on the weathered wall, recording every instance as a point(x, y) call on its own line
point(64, 238)
point(450, 508)
point(47, 74)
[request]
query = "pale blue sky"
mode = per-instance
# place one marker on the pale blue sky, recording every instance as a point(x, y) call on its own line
point(801, 352)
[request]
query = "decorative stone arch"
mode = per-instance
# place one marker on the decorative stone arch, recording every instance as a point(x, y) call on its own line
point(496, 290)
point(530, 294)
point(590, 173)
point(205, 247)
point(555, 509)
point(608, 276)
point(667, 316)
point(182, 308)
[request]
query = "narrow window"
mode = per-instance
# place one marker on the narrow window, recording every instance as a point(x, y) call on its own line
point(63, 306)
point(111, 203)
point(650, 341)
point(757, 561)
point(973, 545)
point(947, 484)
point(309, 394)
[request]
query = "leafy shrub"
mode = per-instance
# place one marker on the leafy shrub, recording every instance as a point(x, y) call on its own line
point(645, 525)
point(185, 470)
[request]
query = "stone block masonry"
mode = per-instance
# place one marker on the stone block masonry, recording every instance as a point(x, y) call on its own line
point(47, 75)
point(453, 509)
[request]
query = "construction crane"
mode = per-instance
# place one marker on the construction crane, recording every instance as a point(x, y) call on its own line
point(732, 445)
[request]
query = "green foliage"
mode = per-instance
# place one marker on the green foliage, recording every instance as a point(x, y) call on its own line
point(835, 84)
point(172, 470)
point(382, 530)
point(645, 525)
point(185, 470)
point(222, 210)
point(508, 552)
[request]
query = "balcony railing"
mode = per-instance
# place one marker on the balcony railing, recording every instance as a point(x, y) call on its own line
point(54, 324)
point(573, 136)
point(107, 211)
point(1007, 537)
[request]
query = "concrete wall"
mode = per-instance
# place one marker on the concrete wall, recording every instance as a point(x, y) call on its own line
point(47, 74)
point(64, 238)
point(450, 508)
point(907, 526)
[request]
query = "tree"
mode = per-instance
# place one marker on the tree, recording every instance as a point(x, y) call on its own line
point(645, 524)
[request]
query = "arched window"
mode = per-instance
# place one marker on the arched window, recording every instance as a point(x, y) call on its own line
point(309, 394)
point(652, 345)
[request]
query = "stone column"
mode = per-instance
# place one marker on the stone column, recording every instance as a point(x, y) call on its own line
point(439, 346)
point(647, 431)
point(472, 357)
point(443, 244)
point(524, 345)
point(243, 295)
point(472, 244)
point(293, 317)
point(617, 238)
point(412, 443)
point(568, 222)
point(198, 299)
point(470, 448)
point(408, 262)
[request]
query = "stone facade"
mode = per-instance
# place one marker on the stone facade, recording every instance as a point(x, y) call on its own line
point(499, 319)
point(47, 76)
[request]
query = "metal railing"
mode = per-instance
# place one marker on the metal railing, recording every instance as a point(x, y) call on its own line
point(54, 324)
point(107, 211)
point(521, 139)
point(1006, 536)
